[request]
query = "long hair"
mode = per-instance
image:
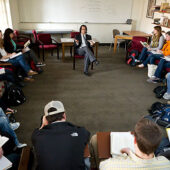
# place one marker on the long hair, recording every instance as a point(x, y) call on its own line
point(81, 28)
point(7, 33)
point(159, 30)
point(1, 41)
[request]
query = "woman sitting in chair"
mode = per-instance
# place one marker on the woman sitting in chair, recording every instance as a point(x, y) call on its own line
point(156, 44)
point(83, 46)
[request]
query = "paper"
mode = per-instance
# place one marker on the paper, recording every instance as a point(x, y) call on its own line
point(167, 58)
point(27, 44)
point(145, 44)
point(155, 52)
point(16, 55)
point(120, 140)
point(2, 71)
point(168, 133)
point(3, 140)
point(5, 163)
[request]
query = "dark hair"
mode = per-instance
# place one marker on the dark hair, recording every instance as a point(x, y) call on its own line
point(148, 135)
point(7, 33)
point(168, 33)
point(54, 117)
point(81, 28)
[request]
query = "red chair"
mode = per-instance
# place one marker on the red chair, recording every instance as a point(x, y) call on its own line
point(73, 35)
point(20, 39)
point(44, 42)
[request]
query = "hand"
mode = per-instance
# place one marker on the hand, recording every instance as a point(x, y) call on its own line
point(159, 51)
point(14, 54)
point(77, 41)
point(44, 122)
point(125, 150)
point(1, 152)
point(149, 49)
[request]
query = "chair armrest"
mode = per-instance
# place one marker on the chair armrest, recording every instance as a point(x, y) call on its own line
point(56, 42)
point(40, 42)
point(5, 64)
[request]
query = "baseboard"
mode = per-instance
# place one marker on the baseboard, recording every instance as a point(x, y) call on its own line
point(104, 44)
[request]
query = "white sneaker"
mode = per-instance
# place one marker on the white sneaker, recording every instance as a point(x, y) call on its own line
point(166, 96)
point(21, 145)
point(15, 126)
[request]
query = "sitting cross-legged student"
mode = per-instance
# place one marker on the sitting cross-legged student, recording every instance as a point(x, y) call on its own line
point(147, 137)
point(16, 61)
point(59, 144)
point(165, 51)
point(11, 47)
point(157, 43)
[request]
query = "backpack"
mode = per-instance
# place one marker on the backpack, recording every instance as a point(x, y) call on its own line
point(160, 91)
point(160, 114)
point(131, 59)
point(15, 95)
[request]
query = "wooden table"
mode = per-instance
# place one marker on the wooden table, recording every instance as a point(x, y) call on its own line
point(128, 36)
point(69, 42)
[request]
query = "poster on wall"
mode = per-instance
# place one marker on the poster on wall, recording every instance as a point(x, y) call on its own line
point(150, 13)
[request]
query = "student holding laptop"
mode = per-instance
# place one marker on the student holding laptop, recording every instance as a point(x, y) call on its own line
point(83, 46)
point(147, 138)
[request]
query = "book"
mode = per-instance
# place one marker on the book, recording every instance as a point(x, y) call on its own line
point(168, 133)
point(145, 44)
point(16, 55)
point(167, 58)
point(5, 163)
point(3, 140)
point(27, 44)
point(120, 140)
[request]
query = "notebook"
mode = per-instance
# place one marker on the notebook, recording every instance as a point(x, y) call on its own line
point(27, 44)
point(5, 163)
point(16, 55)
point(145, 44)
point(3, 140)
point(120, 140)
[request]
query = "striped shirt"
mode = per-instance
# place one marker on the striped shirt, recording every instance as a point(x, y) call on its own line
point(124, 162)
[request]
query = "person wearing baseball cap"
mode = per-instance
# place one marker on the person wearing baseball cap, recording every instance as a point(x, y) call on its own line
point(58, 144)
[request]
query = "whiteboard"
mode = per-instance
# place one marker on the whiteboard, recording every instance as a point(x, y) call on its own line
point(75, 11)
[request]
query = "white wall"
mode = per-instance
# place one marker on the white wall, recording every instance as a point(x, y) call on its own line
point(102, 32)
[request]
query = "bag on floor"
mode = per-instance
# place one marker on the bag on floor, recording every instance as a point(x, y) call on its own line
point(160, 91)
point(15, 96)
point(151, 70)
point(160, 114)
point(131, 59)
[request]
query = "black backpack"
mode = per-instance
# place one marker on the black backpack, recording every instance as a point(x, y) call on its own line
point(131, 59)
point(160, 91)
point(15, 95)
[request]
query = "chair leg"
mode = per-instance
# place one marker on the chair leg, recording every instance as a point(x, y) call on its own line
point(110, 46)
point(74, 63)
point(71, 51)
point(58, 53)
point(43, 55)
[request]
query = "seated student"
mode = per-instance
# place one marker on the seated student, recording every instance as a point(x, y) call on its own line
point(159, 53)
point(156, 44)
point(147, 139)
point(167, 94)
point(6, 126)
point(59, 144)
point(11, 47)
point(17, 61)
point(84, 48)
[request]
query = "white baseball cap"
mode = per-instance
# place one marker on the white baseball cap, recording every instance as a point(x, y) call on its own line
point(54, 104)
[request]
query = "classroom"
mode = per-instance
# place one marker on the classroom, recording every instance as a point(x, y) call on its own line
point(84, 84)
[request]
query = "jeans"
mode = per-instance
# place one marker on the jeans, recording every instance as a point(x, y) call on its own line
point(19, 61)
point(151, 59)
point(162, 64)
point(8, 76)
point(30, 55)
point(168, 83)
point(6, 127)
point(144, 54)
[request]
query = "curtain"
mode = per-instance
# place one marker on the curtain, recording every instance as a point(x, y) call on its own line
point(5, 17)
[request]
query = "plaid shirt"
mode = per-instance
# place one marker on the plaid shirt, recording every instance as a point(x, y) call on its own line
point(126, 162)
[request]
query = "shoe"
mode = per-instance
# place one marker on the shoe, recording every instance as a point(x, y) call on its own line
point(40, 64)
point(141, 66)
point(86, 74)
point(28, 79)
point(32, 73)
point(156, 80)
point(15, 126)
point(97, 62)
point(21, 145)
point(166, 96)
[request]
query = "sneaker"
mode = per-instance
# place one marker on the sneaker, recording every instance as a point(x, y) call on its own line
point(141, 66)
point(21, 145)
point(153, 80)
point(15, 126)
point(40, 64)
point(32, 73)
point(166, 96)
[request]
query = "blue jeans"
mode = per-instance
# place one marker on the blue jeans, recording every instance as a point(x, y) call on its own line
point(168, 83)
point(151, 59)
point(6, 127)
point(144, 54)
point(162, 64)
point(19, 61)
